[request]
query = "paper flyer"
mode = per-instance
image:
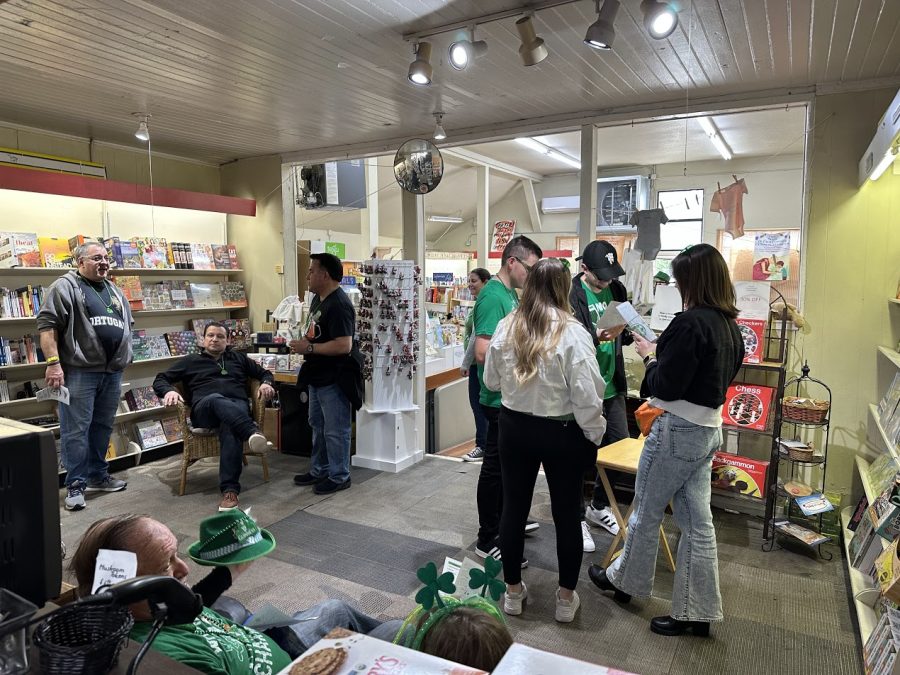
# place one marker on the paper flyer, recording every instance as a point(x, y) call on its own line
point(666, 304)
point(619, 313)
point(752, 299)
point(771, 256)
point(504, 230)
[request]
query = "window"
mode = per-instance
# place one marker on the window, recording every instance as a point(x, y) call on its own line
point(684, 209)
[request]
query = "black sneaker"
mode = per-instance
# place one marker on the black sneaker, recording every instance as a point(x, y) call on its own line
point(328, 486)
point(308, 479)
point(494, 552)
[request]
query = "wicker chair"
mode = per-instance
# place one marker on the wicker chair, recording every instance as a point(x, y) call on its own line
point(200, 443)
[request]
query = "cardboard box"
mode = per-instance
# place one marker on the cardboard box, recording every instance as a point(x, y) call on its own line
point(355, 654)
point(521, 659)
point(747, 406)
point(739, 474)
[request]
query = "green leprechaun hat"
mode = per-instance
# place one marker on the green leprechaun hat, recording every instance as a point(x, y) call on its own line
point(230, 538)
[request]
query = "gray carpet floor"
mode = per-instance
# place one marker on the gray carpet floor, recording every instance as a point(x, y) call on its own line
point(786, 612)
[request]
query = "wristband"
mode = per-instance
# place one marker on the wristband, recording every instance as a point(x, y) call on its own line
point(650, 357)
point(52, 360)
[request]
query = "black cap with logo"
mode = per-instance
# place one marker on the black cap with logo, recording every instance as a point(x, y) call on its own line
point(600, 258)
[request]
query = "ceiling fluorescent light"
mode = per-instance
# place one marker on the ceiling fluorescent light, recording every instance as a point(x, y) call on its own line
point(602, 32)
point(883, 165)
point(533, 144)
point(445, 219)
point(660, 18)
point(709, 128)
point(552, 153)
point(420, 71)
point(722, 147)
point(532, 50)
point(565, 159)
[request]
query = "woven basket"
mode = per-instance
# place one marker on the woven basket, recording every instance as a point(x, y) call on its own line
point(82, 638)
point(801, 455)
point(806, 410)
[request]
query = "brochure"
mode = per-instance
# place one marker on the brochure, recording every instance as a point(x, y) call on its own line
point(808, 537)
point(624, 313)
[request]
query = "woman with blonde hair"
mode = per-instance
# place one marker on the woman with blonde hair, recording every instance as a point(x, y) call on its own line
point(543, 362)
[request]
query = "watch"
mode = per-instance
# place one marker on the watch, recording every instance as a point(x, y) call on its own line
point(309, 348)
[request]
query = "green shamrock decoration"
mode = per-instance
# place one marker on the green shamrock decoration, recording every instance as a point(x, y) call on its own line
point(487, 580)
point(434, 584)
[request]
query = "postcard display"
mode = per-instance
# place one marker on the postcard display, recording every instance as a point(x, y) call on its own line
point(388, 327)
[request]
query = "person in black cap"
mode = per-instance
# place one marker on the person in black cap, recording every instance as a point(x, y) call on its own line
point(593, 288)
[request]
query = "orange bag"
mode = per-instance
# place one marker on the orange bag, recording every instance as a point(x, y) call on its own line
point(645, 416)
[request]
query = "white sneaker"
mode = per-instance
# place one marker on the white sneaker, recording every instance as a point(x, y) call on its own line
point(587, 540)
point(602, 518)
point(512, 602)
point(258, 443)
point(565, 609)
point(475, 455)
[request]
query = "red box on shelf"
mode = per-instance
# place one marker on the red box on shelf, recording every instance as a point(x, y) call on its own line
point(747, 406)
point(734, 473)
point(753, 333)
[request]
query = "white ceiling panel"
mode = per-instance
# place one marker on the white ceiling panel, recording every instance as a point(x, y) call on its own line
point(225, 79)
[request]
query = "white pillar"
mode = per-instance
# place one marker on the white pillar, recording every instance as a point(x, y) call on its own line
point(587, 217)
point(369, 224)
point(289, 228)
point(482, 213)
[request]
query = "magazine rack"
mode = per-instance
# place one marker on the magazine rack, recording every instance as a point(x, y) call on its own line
point(810, 426)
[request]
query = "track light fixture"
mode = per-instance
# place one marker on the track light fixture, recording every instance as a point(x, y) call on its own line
point(143, 130)
point(602, 32)
point(420, 71)
point(532, 49)
point(660, 18)
point(463, 52)
point(439, 133)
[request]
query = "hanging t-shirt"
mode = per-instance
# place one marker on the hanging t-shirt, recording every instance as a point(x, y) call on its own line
point(606, 351)
point(730, 203)
point(647, 223)
point(494, 302)
point(104, 311)
point(212, 644)
point(329, 319)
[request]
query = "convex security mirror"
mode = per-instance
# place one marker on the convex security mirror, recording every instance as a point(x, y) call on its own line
point(418, 166)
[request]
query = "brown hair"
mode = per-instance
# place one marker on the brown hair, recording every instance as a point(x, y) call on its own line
point(545, 298)
point(703, 279)
point(482, 274)
point(469, 636)
point(115, 533)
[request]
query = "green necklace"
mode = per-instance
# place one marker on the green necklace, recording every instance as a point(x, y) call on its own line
point(221, 365)
point(109, 304)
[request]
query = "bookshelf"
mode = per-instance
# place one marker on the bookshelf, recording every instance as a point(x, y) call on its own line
point(14, 272)
point(891, 355)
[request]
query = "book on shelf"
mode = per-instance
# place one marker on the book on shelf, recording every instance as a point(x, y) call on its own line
point(753, 333)
point(887, 572)
point(150, 434)
point(733, 473)
point(139, 350)
point(885, 510)
point(127, 255)
point(108, 244)
point(238, 333)
point(157, 347)
point(202, 257)
point(141, 398)
point(233, 294)
point(172, 429)
point(180, 292)
point(881, 472)
point(889, 401)
point(154, 253)
point(157, 296)
point(813, 504)
point(55, 252)
point(7, 251)
point(220, 257)
point(748, 406)
point(182, 342)
point(132, 290)
point(80, 240)
point(858, 513)
point(23, 249)
point(206, 295)
point(181, 256)
point(233, 257)
point(808, 537)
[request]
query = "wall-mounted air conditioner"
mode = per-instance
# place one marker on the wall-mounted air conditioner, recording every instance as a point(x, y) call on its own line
point(567, 204)
point(882, 150)
point(617, 199)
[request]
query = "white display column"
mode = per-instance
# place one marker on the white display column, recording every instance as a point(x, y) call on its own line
point(388, 328)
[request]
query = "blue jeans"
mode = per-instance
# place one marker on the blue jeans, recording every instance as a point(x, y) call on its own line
point(86, 424)
point(316, 622)
point(481, 423)
point(674, 466)
point(232, 419)
point(330, 417)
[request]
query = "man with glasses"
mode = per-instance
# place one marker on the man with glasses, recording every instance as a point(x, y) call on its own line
point(85, 331)
point(215, 384)
point(497, 299)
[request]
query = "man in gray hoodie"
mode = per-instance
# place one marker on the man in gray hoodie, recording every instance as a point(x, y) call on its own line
point(85, 328)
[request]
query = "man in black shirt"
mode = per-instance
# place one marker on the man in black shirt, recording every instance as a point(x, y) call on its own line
point(331, 374)
point(215, 383)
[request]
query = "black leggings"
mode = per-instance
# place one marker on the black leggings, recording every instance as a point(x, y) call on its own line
point(525, 443)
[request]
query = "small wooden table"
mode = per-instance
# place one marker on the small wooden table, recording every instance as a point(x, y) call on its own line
point(624, 456)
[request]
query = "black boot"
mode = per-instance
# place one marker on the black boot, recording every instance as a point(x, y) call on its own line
point(666, 625)
point(598, 576)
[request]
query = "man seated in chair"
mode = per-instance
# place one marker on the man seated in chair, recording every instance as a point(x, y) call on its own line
point(215, 385)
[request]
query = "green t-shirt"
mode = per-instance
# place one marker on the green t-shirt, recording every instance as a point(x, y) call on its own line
point(212, 644)
point(606, 351)
point(494, 302)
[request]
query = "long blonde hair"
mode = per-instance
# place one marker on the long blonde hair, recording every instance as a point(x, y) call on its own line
point(545, 299)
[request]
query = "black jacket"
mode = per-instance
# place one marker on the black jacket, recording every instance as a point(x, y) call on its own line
point(578, 300)
point(698, 356)
point(201, 375)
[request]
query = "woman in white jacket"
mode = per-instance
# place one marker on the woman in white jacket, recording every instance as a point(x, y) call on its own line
point(543, 362)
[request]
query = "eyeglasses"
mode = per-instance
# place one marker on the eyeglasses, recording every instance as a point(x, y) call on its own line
point(523, 264)
point(97, 258)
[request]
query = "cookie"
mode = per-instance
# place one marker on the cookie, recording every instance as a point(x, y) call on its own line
point(323, 662)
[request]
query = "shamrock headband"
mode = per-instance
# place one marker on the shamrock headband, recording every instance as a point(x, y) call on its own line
point(430, 596)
